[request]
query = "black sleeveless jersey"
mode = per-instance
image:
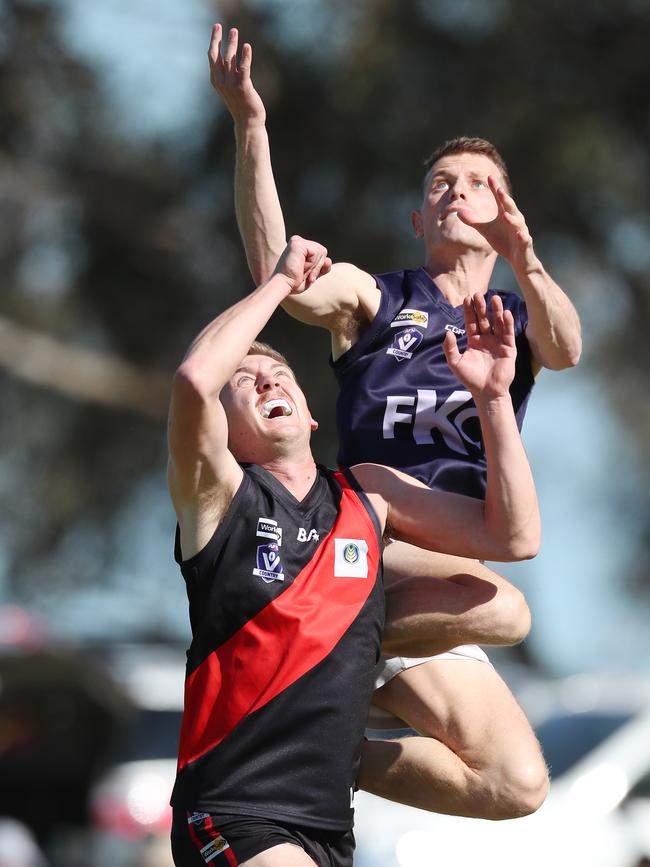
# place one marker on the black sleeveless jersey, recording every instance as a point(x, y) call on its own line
point(287, 611)
point(400, 404)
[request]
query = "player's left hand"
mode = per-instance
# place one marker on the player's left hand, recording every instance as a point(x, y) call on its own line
point(487, 366)
point(507, 233)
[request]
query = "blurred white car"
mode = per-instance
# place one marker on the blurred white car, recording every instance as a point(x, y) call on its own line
point(129, 805)
point(596, 739)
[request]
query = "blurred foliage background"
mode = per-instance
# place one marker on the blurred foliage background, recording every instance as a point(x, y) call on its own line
point(117, 247)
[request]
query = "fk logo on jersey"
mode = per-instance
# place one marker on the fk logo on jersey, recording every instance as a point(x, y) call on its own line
point(405, 343)
point(269, 566)
point(454, 418)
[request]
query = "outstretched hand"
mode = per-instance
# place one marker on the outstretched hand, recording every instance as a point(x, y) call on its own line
point(232, 81)
point(507, 233)
point(302, 262)
point(487, 366)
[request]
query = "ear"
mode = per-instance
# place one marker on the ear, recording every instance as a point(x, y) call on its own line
point(416, 222)
point(313, 423)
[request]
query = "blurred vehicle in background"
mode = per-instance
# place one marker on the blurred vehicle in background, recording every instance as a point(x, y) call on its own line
point(59, 713)
point(596, 739)
point(129, 804)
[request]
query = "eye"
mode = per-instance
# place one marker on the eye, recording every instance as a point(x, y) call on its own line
point(244, 380)
point(439, 186)
point(479, 184)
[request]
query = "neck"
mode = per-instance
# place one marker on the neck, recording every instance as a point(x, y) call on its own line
point(297, 474)
point(460, 275)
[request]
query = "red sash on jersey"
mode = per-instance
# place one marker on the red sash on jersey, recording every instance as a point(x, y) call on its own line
point(286, 639)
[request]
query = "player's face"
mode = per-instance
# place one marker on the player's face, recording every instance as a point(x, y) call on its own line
point(264, 404)
point(455, 182)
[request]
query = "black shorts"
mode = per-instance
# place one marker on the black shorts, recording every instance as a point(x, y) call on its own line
point(225, 841)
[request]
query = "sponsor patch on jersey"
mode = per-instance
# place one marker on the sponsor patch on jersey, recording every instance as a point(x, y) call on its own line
point(410, 317)
point(269, 566)
point(215, 847)
point(405, 343)
point(268, 529)
point(456, 330)
point(350, 558)
point(195, 818)
point(304, 536)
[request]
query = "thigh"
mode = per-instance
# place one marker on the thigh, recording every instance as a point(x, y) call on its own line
point(437, 601)
point(284, 855)
point(402, 560)
point(466, 705)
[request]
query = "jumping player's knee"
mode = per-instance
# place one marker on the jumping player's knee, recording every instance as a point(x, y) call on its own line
point(518, 789)
point(511, 616)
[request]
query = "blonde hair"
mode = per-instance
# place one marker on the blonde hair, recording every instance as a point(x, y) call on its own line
point(257, 347)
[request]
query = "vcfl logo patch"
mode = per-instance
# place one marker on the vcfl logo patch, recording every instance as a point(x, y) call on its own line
point(405, 343)
point(269, 566)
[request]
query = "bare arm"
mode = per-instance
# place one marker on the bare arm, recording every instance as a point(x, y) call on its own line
point(343, 300)
point(203, 475)
point(507, 525)
point(553, 325)
point(259, 214)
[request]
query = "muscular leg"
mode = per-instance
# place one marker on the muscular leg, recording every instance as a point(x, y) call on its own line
point(284, 855)
point(478, 755)
point(435, 602)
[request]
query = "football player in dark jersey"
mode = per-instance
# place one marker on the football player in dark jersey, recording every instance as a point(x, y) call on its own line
point(481, 757)
point(282, 562)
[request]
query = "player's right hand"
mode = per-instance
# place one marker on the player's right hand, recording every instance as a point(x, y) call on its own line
point(302, 262)
point(233, 82)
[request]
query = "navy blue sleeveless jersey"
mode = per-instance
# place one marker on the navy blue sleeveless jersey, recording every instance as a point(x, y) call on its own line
point(287, 612)
point(400, 404)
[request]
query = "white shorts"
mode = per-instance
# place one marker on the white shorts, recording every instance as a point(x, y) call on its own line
point(389, 667)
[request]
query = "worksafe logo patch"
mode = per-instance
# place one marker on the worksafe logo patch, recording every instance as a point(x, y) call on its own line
point(411, 317)
point(269, 566)
point(405, 343)
point(350, 558)
point(267, 528)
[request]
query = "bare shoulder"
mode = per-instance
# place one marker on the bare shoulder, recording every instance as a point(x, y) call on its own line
point(359, 288)
point(200, 515)
point(345, 291)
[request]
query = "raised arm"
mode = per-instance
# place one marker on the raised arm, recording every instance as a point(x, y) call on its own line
point(259, 214)
point(343, 297)
point(553, 330)
point(203, 475)
point(507, 525)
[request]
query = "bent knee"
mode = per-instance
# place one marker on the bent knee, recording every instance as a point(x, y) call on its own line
point(512, 615)
point(519, 790)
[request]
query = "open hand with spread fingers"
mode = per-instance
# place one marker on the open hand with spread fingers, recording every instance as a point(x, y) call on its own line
point(487, 366)
point(507, 233)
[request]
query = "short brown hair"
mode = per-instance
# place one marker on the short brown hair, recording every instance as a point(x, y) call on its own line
point(257, 347)
point(464, 144)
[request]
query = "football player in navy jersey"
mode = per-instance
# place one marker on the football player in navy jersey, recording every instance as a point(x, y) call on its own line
point(400, 405)
point(283, 627)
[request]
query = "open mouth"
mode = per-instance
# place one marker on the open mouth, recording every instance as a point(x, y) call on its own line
point(278, 408)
